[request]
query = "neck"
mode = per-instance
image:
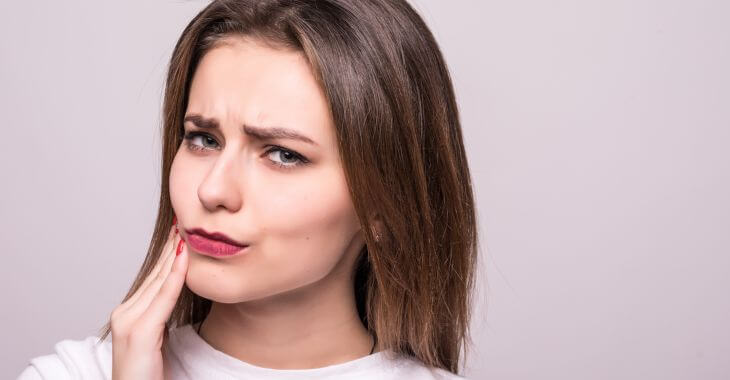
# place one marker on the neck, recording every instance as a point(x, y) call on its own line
point(310, 327)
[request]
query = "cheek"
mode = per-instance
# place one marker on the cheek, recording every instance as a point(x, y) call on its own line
point(303, 234)
point(300, 228)
point(315, 210)
point(309, 227)
point(183, 185)
point(175, 184)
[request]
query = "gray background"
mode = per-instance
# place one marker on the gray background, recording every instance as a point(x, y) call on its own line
point(597, 133)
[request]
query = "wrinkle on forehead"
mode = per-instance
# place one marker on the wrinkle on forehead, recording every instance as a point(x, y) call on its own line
point(244, 81)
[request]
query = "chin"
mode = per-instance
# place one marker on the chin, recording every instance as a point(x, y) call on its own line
point(212, 288)
point(229, 284)
point(218, 288)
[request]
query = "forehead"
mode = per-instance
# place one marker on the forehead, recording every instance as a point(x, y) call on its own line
point(244, 81)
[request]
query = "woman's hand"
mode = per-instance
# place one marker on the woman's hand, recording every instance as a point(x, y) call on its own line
point(138, 324)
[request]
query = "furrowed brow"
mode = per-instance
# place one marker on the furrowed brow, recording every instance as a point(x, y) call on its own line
point(261, 133)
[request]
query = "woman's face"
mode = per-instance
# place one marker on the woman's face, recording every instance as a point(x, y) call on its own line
point(286, 198)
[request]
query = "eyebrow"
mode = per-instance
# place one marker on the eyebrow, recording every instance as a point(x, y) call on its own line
point(260, 133)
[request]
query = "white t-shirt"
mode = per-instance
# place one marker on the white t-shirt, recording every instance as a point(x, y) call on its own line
point(191, 357)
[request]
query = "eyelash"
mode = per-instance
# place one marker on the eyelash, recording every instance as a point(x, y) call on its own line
point(189, 136)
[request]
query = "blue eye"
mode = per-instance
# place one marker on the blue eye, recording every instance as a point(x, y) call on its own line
point(286, 155)
point(191, 136)
point(287, 159)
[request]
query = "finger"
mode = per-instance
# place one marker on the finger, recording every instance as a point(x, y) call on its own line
point(161, 307)
point(165, 253)
point(150, 293)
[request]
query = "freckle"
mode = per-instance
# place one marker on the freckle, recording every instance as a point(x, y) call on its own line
point(307, 238)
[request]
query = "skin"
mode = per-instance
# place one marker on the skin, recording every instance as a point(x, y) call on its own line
point(288, 302)
point(137, 325)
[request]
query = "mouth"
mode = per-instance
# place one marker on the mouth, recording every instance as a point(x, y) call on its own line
point(214, 244)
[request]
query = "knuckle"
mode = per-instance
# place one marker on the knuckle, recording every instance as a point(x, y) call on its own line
point(118, 329)
point(115, 316)
point(117, 323)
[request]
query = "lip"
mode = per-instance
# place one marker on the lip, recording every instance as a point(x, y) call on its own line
point(214, 244)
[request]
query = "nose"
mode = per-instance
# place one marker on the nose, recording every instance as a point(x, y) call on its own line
point(221, 187)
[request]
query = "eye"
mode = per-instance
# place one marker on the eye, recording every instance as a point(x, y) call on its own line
point(190, 137)
point(288, 159)
point(280, 157)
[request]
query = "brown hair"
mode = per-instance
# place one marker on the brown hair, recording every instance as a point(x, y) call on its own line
point(400, 143)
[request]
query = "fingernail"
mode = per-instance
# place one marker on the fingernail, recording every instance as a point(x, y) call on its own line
point(179, 247)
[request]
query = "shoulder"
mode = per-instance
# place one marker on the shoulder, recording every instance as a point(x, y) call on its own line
point(443, 374)
point(411, 368)
point(72, 359)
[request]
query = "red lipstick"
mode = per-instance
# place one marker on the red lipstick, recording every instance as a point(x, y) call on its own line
point(214, 244)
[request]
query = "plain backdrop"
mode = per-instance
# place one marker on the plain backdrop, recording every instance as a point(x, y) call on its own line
point(598, 134)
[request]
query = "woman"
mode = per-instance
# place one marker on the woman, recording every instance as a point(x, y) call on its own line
point(316, 193)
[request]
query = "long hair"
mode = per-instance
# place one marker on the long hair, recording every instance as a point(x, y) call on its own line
point(400, 143)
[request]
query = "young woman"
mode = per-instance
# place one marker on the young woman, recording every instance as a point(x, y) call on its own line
point(316, 218)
